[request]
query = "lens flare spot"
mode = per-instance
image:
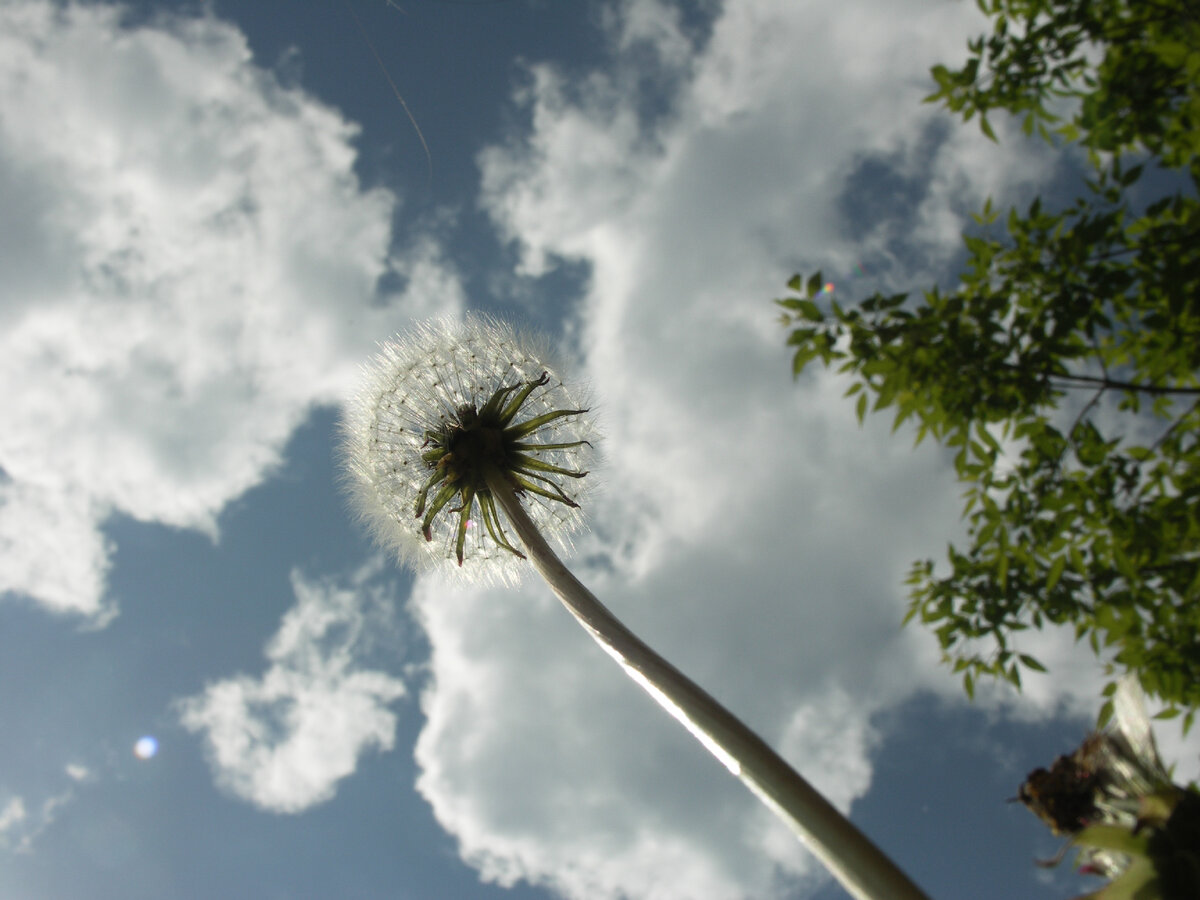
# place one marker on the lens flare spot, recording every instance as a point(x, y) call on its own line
point(828, 287)
point(145, 747)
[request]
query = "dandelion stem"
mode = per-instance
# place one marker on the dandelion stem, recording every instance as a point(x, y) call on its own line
point(861, 867)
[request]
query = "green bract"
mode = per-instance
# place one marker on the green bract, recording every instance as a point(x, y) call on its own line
point(476, 442)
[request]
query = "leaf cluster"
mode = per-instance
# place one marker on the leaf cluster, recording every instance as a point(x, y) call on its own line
point(1064, 369)
point(1142, 94)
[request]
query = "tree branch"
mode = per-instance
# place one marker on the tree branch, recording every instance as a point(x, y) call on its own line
point(1080, 381)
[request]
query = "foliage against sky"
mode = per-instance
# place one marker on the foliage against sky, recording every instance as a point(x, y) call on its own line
point(1062, 368)
point(213, 213)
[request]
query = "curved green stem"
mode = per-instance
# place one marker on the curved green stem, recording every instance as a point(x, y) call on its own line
point(861, 867)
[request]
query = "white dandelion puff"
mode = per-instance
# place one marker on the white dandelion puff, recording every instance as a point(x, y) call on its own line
point(439, 407)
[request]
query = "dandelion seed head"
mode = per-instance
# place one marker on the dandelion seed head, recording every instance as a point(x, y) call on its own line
point(409, 423)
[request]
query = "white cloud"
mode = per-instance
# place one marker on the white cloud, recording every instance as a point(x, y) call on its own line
point(190, 266)
point(748, 528)
point(78, 773)
point(547, 764)
point(11, 814)
point(283, 741)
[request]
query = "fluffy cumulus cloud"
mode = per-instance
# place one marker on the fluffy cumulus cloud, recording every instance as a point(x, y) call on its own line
point(190, 265)
point(284, 739)
point(747, 527)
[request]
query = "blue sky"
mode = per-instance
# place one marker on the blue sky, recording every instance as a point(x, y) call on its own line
point(210, 214)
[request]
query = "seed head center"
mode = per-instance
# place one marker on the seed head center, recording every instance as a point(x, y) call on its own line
point(475, 448)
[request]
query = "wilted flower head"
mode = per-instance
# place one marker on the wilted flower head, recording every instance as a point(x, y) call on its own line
point(1117, 803)
point(441, 408)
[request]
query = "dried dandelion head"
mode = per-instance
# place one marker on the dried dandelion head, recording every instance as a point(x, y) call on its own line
point(1115, 801)
point(443, 407)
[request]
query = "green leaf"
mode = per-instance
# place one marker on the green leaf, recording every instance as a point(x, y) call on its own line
point(1055, 573)
point(803, 357)
point(1114, 837)
point(1068, 132)
point(810, 311)
point(814, 285)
